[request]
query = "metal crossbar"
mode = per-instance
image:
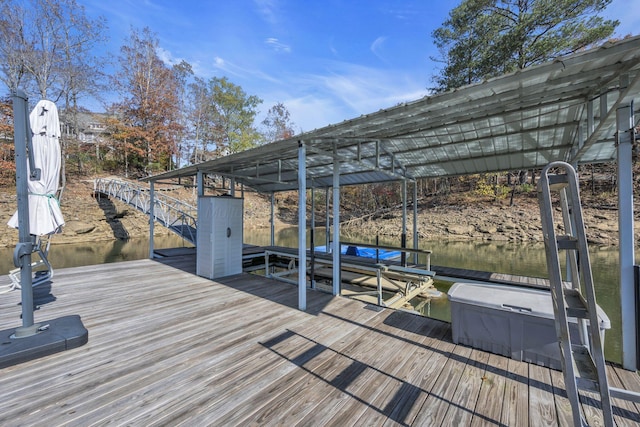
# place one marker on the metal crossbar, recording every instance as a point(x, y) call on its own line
point(176, 215)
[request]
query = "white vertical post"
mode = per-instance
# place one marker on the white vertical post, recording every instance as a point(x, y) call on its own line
point(302, 226)
point(403, 243)
point(336, 226)
point(200, 183)
point(273, 219)
point(152, 202)
point(327, 230)
point(313, 237)
point(313, 211)
point(415, 220)
point(625, 124)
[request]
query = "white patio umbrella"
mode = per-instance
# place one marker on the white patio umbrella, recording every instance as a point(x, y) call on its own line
point(45, 216)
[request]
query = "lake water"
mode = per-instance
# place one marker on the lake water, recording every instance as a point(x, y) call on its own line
point(520, 259)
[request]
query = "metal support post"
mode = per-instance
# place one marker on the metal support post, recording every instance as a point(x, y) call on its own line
point(302, 226)
point(336, 226)
point(403, 237)
point(415, 220)
point(327, 229)
point(152, 202)
point(273, 220)
point(625, 124)
point(22, 252)
point(312, 236)
point(200, 183)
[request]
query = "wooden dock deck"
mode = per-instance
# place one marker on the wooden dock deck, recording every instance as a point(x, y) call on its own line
point(167, 347)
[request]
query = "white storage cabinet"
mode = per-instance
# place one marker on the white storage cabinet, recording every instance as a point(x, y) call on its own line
point(219, 248)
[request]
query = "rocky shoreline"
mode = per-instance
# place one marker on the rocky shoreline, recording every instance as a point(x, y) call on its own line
point(490, 223)
point(91, 220)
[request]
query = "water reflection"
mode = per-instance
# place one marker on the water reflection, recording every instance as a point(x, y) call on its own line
point(508, 258)
point(520, 259)
point(75, 255)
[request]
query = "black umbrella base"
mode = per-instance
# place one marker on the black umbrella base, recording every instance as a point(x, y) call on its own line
point(45, 338)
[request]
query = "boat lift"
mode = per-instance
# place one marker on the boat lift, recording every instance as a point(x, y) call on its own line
point(404, 281)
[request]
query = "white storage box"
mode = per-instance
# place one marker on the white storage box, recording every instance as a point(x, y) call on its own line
point(511, 321)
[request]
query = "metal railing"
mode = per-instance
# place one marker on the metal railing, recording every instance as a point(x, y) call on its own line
point(176, 215)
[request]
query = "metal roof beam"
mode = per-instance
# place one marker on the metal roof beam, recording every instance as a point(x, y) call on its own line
point(609, 117)
point(366, 165)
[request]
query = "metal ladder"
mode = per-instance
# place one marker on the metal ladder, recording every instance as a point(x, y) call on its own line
point(582, 355)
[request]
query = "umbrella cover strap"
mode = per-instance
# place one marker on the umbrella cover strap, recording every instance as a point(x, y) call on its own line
point(48, 196)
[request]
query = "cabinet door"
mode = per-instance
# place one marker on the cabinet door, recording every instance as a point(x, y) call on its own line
point(204, 266)
point(234, 238)
point(219, 239)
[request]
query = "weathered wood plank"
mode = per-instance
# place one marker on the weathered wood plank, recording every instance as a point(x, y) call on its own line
point(515, 407)
point(563, 406)
point(542, 409)
point(463, 402)
point(440, 397)
point(489, 406)
point(321, 370)
point(167, 347)
point(433, 355)
point(626, 413)
point(388, 379)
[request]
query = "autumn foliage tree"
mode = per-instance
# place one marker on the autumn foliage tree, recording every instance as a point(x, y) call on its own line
point(150, 108)
point(7, 163)
point(278, 124)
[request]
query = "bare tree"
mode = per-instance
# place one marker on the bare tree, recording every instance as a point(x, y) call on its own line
point(198, 113)
point(182, 71)
point(14, 45)
point(277, 123)
point(150, 104)
point(50, 44)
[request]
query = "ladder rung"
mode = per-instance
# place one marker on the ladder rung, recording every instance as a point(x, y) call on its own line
point(629, 395)
point(576, 306)
point(567, 242)
point(586, 372)
point(558, 181)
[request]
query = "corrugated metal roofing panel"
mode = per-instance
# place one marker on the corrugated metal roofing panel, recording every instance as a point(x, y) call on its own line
point(521, 120)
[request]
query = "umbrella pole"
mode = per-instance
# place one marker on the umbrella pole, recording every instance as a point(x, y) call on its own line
point(31, 341)
point(22, 252)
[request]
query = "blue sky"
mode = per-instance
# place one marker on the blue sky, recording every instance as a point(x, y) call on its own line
point(327, 61)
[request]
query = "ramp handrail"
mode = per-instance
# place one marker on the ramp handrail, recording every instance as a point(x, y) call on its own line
point(176, 215)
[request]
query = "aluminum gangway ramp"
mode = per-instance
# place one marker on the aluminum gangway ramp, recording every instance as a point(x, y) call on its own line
point(176, 215)
point(581, 348)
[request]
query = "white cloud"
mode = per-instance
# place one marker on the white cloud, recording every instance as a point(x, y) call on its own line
point(267, 9)
point(167, 57)
point(366, 90)
point(226, 67)
point(376, 47)
point(307, 112)
point(277, 46)
point(346, 92)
